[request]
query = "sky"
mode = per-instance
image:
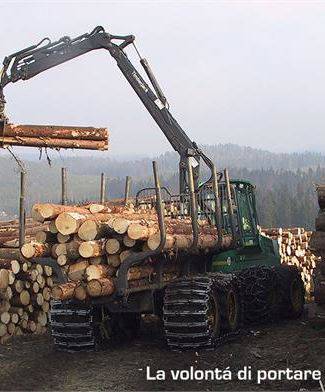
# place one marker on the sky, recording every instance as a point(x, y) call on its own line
point(244, 72)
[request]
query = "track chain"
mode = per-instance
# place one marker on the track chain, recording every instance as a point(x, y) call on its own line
point(185, 312)
point(72, 326)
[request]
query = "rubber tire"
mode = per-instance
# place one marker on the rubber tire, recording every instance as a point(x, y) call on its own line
point(292, 292)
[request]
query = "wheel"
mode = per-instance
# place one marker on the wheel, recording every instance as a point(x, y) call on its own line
point(292, 292)
point(231, 311)
point(259, 293)
point(191, 313)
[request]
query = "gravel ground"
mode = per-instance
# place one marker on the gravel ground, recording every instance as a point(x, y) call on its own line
point(30, 363)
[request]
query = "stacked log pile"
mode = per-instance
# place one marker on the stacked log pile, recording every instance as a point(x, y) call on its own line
point(318, 245)
point(295, 250)
point(25, 292)
point(90, 243)
point(9, 232)
point(50, 136)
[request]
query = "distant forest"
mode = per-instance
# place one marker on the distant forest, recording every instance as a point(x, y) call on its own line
point(285, 183)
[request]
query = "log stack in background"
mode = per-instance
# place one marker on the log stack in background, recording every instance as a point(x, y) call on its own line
point(90, 242)
point(25, 292)
point(9, 232)
point(318, 245)
point(295, 250)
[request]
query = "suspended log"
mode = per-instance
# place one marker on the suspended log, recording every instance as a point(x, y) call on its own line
point(56, 132)
point(54, 143)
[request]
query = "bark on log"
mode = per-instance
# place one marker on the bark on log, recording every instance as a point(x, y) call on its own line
point(140, 272)
point(100, 287)
point(54, 143)
point(35, 249)
point(76, 271)
point(70, 222)
point(96, 272)
point(4, 279)
point(114, 260)
point(90, 230)
point(22, 300)
point(62, 239)
point(96, 208)
point(64, 291)
point(56, 132)
point(47, 211)
point(128, 242)
point(80, 292)
point(45, 237)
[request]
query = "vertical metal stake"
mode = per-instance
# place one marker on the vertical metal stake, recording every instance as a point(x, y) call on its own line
point(127, 189)
point(218, 213)
point(22, 213)
point(230, 206)
point(193, 205)
point(102, 188)
point(63, 185)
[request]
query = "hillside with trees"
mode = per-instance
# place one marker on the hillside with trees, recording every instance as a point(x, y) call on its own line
point(284, 182)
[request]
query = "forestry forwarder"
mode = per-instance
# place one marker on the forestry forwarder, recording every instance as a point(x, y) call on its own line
point(214, 292)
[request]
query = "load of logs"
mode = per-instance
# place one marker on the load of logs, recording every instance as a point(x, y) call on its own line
point(90, 242)
point(25, 293)
point(295, 250)
point(49, 136)
point(318, 245)
point(9, 232)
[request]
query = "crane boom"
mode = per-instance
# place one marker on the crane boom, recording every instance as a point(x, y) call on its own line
point(35, 59)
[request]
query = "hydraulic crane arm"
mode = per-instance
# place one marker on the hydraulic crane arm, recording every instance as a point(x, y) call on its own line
point(33, 60)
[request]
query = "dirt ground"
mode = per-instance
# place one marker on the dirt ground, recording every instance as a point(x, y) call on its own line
point(30, 363)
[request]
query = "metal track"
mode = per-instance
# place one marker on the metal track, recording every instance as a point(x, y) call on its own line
point(186, 310)
point(72, 326)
